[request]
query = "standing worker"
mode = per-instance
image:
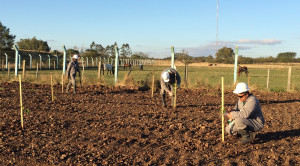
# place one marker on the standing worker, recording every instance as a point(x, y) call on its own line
point(167, 80)
point(71, 70)
point(246, 117)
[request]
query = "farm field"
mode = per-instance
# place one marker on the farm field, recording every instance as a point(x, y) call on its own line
point(104, 125)
point(198, 76)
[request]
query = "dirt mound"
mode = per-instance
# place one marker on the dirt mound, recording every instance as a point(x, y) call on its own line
point(120, 126)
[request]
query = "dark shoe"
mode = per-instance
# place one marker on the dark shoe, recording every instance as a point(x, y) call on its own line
point(163, 98)
point(252, 135)
point(245, 137)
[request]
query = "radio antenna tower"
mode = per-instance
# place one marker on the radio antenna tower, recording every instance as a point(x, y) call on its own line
point(217, 29)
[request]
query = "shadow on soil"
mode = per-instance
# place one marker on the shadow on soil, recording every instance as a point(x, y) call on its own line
point(272, 102)
point(266, 137)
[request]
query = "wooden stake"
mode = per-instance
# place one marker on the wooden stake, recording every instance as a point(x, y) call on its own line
point(152, 79)
point(51, 86)
point(175, 89)
point(24, 68)
point(268, 78)
point(222, 109)
point(99, 70)
point(8, 69)
point(62, 83)
point(248, 80)
point(37, 70)
point(82, 77)
point(152, 84)
point(289, 79)
point(2, 64)
point(21, 104)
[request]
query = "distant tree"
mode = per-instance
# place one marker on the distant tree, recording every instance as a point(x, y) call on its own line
point(71, 51)
point(108, 50)
point(264, 59)
point(57, 53)
point(210, 59)
point(245, 60)
point(125, 51)
point(140, 55)
point(92, 45)
point(286, 57)
point(225, 55)
point(203, 59)
point(33, 44)
point(186, 59)
point(100, 50)
point(6, 39)
point(90, 53)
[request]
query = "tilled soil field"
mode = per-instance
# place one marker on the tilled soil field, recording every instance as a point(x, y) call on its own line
point(124, 126)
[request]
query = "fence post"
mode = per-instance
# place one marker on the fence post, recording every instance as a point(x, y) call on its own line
point(235, 64)
point(16, 60)
point(87, 62)
point(57, 61)
point(64, 60)
point(62, 83)
point(116, 64)
point(289, 79)
point(6, 60)
point(8, 69)
point(173, 57)
point(30, 61)
point(37, 71)
point(19, 61)
point(40, 61)
point(49, 61)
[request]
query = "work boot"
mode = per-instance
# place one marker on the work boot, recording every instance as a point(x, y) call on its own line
point(74, 89)
point(68, 88)
point(163, 98)
point(252, 135)
point(245, 136)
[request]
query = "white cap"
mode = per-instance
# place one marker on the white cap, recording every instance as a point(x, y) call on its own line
point(75, 56)
point(241, 88)
point(166, 76)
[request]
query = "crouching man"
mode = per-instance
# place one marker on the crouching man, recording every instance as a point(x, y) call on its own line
point(167, 80)
point(246, 117)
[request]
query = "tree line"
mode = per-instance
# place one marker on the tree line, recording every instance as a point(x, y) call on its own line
point(224, 55)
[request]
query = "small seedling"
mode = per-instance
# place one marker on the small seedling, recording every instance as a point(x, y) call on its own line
point(27, 111)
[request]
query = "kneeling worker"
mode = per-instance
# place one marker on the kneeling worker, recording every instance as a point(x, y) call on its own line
point(167, 80)
point(246, 117)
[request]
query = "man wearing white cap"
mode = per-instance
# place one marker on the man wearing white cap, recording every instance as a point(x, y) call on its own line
point(246, 117)
point(167, 79)
point(71, 71)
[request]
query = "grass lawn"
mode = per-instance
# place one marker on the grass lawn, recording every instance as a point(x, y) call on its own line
point(197, 77)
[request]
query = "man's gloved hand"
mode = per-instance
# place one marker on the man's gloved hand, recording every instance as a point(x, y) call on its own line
point(170, 94)
point(229, 110)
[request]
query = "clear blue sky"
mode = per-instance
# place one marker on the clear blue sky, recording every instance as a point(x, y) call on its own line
point(260, 28)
